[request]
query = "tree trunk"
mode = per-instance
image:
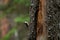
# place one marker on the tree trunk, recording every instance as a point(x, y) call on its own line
point(41, 25)
point(53, 19)
point(47, 20)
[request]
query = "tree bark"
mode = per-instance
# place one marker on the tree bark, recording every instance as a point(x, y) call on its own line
point(41, 25)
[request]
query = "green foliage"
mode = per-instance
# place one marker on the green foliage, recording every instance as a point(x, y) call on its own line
point(22, 18)
point(11, 9)
point(25, 2)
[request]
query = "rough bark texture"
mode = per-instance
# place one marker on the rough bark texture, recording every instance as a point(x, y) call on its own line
point(53, 19)
point(37, 25)
point(33, 15)
point(48, 20)
point(41, 25)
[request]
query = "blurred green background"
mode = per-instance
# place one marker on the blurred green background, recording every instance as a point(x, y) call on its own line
point(17, 13)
